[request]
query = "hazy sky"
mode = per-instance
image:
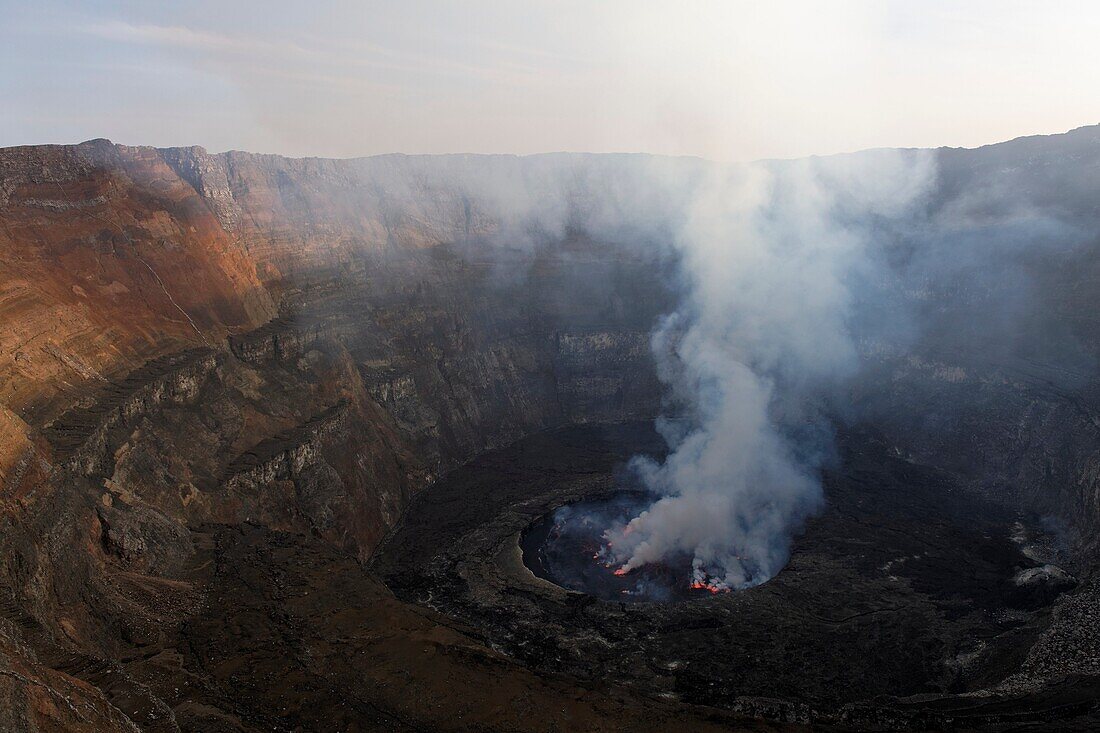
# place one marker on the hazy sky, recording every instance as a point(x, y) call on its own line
point(722, 79)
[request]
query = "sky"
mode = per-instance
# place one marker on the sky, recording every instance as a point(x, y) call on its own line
point(726, 80)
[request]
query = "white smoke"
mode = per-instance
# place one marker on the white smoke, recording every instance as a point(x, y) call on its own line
point(770, 255)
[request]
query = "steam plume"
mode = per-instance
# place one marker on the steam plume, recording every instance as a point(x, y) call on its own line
point(771, 257)
point(770, 254)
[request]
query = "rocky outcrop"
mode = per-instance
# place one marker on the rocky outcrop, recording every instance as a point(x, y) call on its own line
point(80, 437)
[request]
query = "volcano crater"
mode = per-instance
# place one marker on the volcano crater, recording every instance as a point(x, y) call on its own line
point(903, 586)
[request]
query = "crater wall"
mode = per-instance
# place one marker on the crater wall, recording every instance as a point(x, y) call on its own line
point(239, 339)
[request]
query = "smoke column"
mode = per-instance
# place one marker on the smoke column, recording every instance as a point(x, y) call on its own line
point(771, 257)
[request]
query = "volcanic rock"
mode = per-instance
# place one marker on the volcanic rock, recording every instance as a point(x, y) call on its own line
point(228, 379)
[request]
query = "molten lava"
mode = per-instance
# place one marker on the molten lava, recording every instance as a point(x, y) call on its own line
point(703, 585)
point(570, 547)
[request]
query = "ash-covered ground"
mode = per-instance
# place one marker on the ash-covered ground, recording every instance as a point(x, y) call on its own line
point(905, 604)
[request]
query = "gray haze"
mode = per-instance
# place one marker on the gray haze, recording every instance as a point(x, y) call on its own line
point(721, 79)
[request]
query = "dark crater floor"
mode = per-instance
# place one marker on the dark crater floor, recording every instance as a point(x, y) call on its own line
point(898, 607)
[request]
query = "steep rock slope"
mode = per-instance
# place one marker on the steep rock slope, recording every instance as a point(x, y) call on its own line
point(152, 385)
